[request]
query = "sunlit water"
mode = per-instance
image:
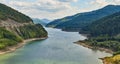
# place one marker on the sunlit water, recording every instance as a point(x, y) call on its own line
point(57, 49)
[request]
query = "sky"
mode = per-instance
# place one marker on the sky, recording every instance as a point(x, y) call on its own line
point(54, 9)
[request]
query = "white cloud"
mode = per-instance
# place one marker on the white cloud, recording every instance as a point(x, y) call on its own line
point(2, 1)
point(45, 9)
point(99, 2)
point(106, 2)
point(68, 0)
point(117, 2)
point(46, 5)
point(55, 8)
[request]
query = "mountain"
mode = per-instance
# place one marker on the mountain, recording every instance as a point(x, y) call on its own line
point(7, 12)
point(41, 21)
point(104, 34)
point(16, 27)
point(109, 25)
point(76, 22)
point(46, 20)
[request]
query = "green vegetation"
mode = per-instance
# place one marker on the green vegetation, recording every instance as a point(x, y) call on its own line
point(109, 25)
point(7, 38)
point(80, 20)
point(105, 33)
point(104, 42)
point(112, 60)
point(7, 12)
point(12, 35)
point(32, 31)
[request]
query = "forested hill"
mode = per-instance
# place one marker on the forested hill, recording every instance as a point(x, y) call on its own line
point(109, 25)
point(76, 22)
point(105, 33)
point(16, 27)
point(7, 12)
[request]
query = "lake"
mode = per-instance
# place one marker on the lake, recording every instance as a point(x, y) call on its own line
point(57, 49)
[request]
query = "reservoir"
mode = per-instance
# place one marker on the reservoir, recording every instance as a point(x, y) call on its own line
point(58, 48)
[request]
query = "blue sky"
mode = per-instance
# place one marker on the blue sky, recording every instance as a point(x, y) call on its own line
point(53, 9)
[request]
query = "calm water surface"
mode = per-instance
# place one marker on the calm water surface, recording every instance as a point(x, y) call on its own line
point(57, 49)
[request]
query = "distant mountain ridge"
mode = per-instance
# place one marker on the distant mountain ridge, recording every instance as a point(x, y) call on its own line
point(46, 20)
point(76, 22)
point(41, 21)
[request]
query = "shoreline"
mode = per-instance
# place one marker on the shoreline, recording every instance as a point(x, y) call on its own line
point(19, 45)
point(92, 47)
point(82, 43)
point(111, 60)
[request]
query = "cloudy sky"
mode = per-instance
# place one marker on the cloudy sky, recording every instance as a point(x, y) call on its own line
point(53, 9)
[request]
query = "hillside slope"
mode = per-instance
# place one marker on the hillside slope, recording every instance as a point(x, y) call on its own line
point(105, 33)
point(16, 27)
point(76, 22)
point(7, 12)
point(109, 25)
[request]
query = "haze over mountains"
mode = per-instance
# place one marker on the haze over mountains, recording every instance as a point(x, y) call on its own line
point(76, 22)
point(41, 21)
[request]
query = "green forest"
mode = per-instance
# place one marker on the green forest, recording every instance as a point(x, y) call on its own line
point(10, 36)
point(32, 31)
point(80, 20)
point(8, 12)
point(105, 32)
